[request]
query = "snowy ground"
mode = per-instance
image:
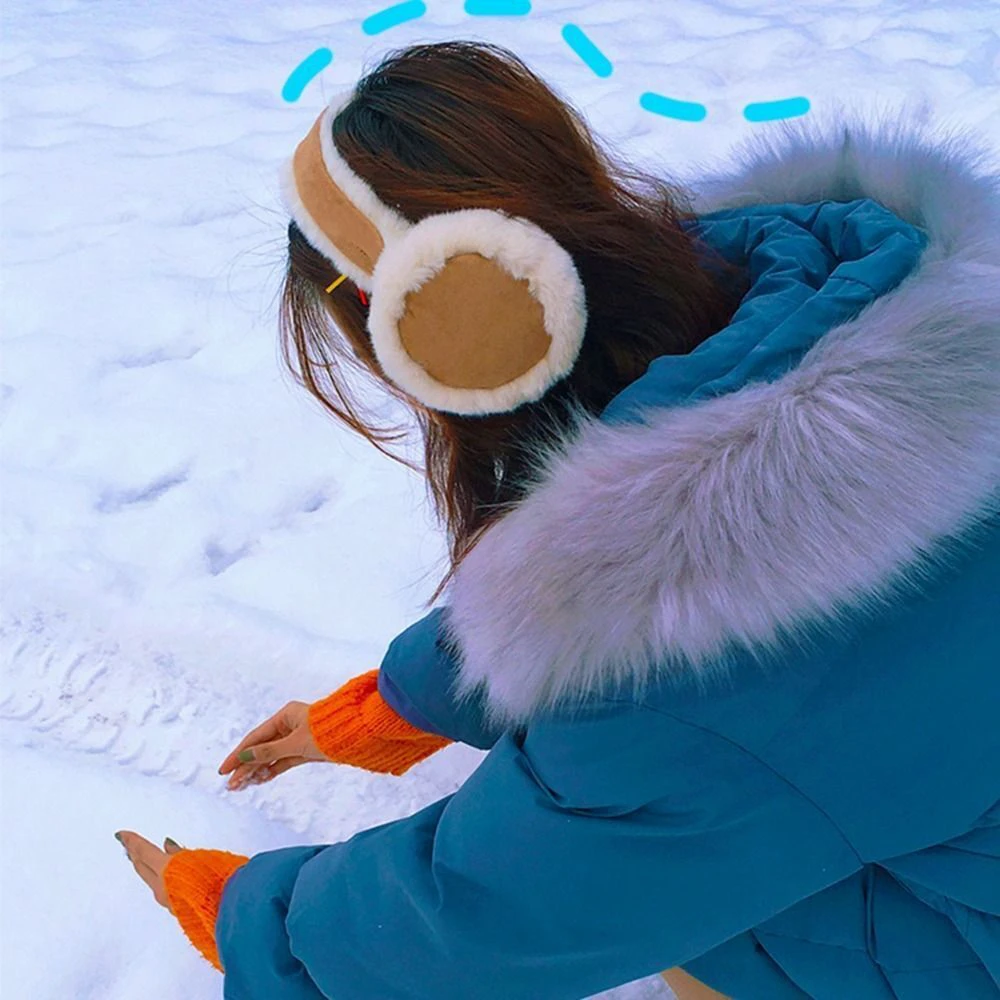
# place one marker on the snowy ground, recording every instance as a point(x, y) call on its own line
point(187, 541)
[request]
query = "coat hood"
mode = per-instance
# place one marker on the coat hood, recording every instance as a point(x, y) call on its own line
point(659, 537)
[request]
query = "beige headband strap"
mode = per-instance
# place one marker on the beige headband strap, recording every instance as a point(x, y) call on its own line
point(337, 210)
point(344, 226)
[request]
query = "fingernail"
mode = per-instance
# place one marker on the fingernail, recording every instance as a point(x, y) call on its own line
point(246, 756)
point(173, 843)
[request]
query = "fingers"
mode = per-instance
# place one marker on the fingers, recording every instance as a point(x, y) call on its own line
point(257, 774)
point(279, 767)
point(148, 861)
point(244, 775)
point(267, 730)
point(247, 774)
point(292, 745)
point(142, 851)
point(155, 882)
point(146, 873)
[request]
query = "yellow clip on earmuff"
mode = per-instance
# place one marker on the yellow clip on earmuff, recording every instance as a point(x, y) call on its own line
point(471, 312)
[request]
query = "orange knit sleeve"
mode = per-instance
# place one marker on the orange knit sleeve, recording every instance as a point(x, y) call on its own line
point(194, 880)
point(355, 725)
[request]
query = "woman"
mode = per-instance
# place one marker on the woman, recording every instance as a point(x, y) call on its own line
point(721, 491)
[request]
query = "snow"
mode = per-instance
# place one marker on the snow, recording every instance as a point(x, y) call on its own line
point(187, 540)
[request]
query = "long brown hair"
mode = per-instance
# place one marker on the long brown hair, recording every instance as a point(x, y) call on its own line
point(460, 124)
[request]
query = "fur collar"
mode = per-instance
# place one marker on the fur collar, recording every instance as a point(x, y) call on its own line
point(654, 546)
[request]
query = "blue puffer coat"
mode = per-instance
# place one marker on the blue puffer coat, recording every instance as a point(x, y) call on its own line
point(736, 656)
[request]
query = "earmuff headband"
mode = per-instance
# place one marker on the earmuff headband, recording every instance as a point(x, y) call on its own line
point(472, 311)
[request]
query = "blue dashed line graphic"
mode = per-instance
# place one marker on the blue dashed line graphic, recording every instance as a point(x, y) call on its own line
point(399, 13)
point(685, 111)
point(768, 111)
point(573, 35)
point(311, 66)
point(497, 8)
point(587, 50)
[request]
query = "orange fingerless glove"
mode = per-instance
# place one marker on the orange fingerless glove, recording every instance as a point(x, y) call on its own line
point(194, 881)
point(354, 725)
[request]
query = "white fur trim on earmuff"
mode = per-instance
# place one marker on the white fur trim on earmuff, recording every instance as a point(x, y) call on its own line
point(390, 224)
point(526, 252)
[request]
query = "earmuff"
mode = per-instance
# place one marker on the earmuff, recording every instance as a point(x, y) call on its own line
point(471, 312)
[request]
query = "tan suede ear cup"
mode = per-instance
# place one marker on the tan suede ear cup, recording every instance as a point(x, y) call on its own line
point(476, 312)
point(473, 325)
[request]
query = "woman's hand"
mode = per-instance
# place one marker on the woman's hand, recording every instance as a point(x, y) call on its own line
point(149, 861)
point(282, 742)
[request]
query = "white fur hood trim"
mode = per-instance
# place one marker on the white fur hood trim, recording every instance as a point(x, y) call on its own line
point(654, 547)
